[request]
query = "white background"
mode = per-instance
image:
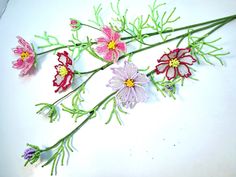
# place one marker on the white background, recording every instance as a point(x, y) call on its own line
point(193, 136)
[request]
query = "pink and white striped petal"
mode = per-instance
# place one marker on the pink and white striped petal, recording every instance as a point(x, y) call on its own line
point(162, 67)
point(182, 52)
point(58, 79)
point(173, 54)
point(171, 73)
point(188, 59)
point(184, 71)
point(164, 58)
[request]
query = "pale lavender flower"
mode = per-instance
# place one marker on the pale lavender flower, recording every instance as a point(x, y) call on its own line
point(129, 84)
point(29, 153)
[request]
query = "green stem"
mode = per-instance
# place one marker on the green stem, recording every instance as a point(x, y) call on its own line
point(90, 26)
point(146, 34)
point(62, 47)
point(68, 94)
point(185, 27)
point(95, 108)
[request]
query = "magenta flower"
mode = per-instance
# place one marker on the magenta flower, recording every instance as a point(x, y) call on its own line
point(64, 75)
point(175, 62)
point(129, 84)
point(75, 24)
point(27, 57)
point(110, 46)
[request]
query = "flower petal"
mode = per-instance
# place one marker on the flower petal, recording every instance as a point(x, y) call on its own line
point(171, 73)
point(181, 52)
point(25, 44)
point(109, 55)
point(64, 58)
point(173, 54)
point(141, 79)
point(68, 81)
point(120, 72)
point(26, 69)
point(123, 94)
point(121, 46)
point(188, 59)
point(30, 60)
point(115, 55)
point(102, 49)
point(116, 36)
point(102, 40)
point(116, 83)
point(18, 64)
point(18, 50)
point(164, 58)
point(183, 70)
point(130, 69)
point(162, 67)
point(108, 32)
point(58, 79)
point(141, 95)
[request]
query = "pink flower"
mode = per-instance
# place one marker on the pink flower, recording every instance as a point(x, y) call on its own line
point(27, 57)
point(64, 75)
point(175, 62)
point(110, 46)
point(75, 24)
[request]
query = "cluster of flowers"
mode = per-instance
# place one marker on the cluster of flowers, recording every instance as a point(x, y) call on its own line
point(127, 80)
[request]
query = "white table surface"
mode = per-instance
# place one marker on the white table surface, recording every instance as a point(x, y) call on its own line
point(193, 136)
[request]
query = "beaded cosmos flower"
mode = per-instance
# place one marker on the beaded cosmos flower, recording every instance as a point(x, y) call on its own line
point(64, 75)
point(129, 84)
point(75, 24)
point(175, 62)
point(110, 46)
point(27, 57)
point(31, 154)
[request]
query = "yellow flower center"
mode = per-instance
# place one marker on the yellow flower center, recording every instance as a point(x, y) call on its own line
point(129, 82)
point(24, 55)
point(111, 45)
point(63, 71)
point(174, 63)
